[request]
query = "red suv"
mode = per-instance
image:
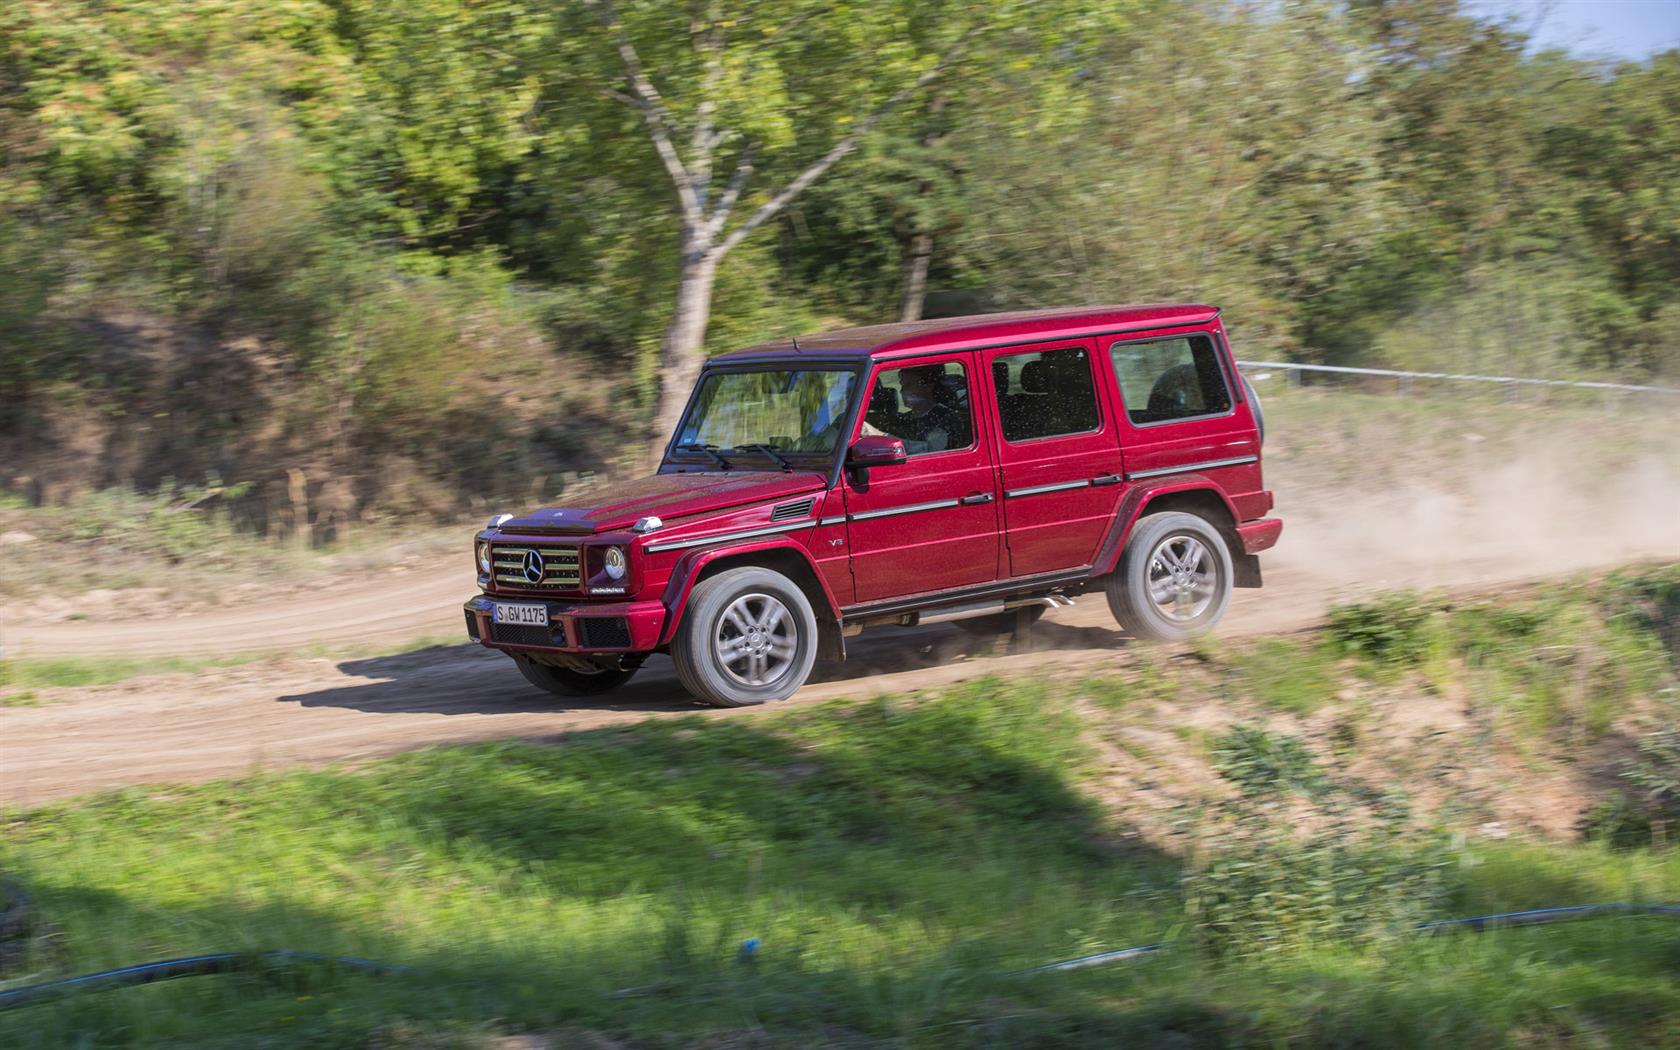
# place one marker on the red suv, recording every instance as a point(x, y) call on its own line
point(973, 469)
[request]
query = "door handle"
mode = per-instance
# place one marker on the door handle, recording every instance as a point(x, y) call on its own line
point(1108, 479)
point(976, 498)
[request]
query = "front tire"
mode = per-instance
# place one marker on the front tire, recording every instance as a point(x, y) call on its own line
point(563, 681)
point(1174, 578)
point(748, 636)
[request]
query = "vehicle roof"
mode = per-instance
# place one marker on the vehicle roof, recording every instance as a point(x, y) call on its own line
point(976, 330)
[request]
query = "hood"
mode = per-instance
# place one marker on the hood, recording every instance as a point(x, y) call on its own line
point(668, 496)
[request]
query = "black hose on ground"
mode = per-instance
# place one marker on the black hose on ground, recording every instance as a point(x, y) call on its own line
point(227, 962)
point(191, 966)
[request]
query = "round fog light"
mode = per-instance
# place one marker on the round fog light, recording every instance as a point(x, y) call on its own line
point(615, 563)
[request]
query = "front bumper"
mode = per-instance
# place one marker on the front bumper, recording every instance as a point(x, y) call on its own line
point(573, 627)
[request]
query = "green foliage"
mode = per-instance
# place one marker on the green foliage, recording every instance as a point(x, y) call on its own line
point(1647, 812)
point(396, 236)
point(1260, 763)
point(1655, 777)
point(1390, 629)
point(1648, 601)
point(1566, 660)
point(1290, 675)
point(1267, 877)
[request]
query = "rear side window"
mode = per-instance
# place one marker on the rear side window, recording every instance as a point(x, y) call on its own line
point(1045, 393)
point(1166, 379)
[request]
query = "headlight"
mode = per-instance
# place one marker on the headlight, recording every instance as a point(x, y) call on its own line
point(615, 563)
point(484, 558)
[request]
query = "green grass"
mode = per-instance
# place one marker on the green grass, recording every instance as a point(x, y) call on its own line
point(899, 859)
point(1286, 674)
point(73, 672)
point(77, 671)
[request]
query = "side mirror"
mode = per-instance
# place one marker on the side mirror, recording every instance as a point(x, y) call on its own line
point(876, 451)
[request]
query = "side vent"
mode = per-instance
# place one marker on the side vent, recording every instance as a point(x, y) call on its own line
point(795, 510)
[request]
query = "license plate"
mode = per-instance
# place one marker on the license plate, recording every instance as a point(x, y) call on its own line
point(534, 615)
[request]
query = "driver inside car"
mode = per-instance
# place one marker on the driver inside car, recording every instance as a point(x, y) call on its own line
point(928, 421)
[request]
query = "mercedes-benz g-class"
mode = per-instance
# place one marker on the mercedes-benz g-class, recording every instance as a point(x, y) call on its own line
point(971, 469)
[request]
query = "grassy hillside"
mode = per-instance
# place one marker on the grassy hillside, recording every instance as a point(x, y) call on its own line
point(1277, 815)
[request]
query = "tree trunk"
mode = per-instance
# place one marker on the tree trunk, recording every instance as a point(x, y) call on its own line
point(915, 276)
point(681, 351)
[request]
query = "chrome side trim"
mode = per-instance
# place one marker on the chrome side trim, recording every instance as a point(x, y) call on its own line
point(1035, 490)
point(909, 508)
point(838, 519)
point(724, 537)
point(1209, 464)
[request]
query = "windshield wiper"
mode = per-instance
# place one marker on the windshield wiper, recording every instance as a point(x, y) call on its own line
point(768, 450)
point(708, 450)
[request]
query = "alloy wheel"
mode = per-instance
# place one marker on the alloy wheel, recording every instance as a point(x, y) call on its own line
point(1183, 578)
point(756, 640)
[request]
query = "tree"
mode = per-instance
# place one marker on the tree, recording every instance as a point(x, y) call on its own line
point(732, 88)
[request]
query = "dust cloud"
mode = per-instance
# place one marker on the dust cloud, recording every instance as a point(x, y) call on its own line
point(1460, 508)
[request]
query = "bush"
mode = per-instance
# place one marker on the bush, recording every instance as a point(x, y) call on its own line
point(1262, 763)
point(1389, 628)
point(1656, 774)
point(1266, 875)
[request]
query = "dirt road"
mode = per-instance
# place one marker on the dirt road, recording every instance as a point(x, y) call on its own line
point(288, 710)
point(229, 721)
point(370, 610)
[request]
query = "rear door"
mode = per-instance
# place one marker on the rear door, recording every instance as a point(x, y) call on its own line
point(930, 523)
point(1178, 413)
point(1058, 454)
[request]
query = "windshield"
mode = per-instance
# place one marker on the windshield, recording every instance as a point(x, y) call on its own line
point(787, 411)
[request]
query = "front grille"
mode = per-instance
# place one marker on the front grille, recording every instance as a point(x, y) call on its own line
point(522, 634)
point(602, 632)
point(472, 625)
point(561, 570)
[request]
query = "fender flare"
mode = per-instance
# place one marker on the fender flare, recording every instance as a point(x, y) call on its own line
point(686, 573)
point(1137, 499)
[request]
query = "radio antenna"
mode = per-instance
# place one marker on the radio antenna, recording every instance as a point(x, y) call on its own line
point(795, 339)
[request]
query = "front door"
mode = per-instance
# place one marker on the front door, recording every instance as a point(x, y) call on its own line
point(1059, 457)
point(930, 523)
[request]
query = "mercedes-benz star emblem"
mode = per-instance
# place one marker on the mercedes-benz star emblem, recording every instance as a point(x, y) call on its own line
point(533, 567)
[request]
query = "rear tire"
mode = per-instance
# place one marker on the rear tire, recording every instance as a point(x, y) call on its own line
point(563, 681)
point(748, 636)
point(1174, 578)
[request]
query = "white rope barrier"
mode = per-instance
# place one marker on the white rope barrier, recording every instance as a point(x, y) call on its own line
point(1291, 366)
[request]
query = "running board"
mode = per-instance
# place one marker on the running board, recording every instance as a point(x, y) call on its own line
point(968, 612)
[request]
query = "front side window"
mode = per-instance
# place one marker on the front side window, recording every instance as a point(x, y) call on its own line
point(926, 406)
point(785, 411)
point(1166, 379)
point(1045, 393)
